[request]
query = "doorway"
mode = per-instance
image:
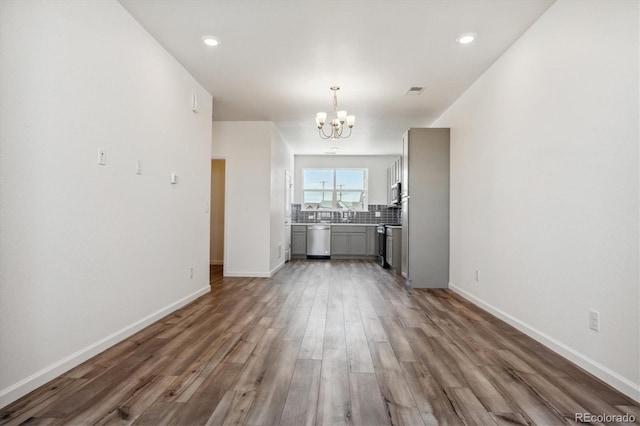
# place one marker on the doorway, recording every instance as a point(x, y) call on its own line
point(288, 197)
point(216, 239)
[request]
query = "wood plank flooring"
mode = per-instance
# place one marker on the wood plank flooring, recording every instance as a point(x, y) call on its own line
point(327, 343)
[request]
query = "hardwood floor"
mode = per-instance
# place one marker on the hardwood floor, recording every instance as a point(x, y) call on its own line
point(340, 342)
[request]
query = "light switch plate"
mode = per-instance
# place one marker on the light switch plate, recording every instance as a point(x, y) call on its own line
point(594, 320)
point(102, 157)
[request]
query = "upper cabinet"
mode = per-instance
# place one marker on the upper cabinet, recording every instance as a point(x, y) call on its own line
point(395, 171)
point(394, 176)
point(405, 170)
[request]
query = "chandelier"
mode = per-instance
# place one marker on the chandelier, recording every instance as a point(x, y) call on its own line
point(337, 124)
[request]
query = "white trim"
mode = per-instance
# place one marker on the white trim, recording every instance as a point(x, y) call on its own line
point(608, 376)
point(276, 269)
point(24, 386)
point(216, 262)
point(254, 274)
point(247, 274)
point(225, 244)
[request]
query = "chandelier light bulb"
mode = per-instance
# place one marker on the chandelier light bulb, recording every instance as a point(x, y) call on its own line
point(351, 119)
point(342, 115)
point(321, 118)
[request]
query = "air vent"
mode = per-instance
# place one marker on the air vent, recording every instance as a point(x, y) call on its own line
point(329, 153)
point(415, 90)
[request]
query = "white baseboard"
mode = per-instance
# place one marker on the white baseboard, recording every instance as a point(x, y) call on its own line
point(216, 262)
point(276, 269)
point(23, 387)
point(608, 376)
point(254, 274)
point(247, 274)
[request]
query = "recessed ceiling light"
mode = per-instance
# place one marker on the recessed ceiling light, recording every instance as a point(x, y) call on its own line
point(210, 41)
point(466, 38)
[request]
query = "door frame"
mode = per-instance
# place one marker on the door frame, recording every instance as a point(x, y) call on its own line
point(226, 212)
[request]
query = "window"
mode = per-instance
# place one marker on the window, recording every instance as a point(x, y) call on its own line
point(334, 189)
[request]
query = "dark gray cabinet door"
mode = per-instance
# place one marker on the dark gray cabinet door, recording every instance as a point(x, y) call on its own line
point(358, 244)
point(372, 240)
point(298, 243)
point(339, 244)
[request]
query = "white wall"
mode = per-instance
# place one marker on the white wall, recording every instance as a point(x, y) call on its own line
point(247, 147)
point(90, 254)
point(254, 218)
point(281, 160)
point(377, 165)
point(544, 186)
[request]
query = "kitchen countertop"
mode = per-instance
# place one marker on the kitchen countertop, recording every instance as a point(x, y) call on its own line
point(337, 224)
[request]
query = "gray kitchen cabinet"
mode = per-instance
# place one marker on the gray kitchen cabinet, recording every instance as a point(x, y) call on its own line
point(339, 244)
point(358, 244)
point(394, 175)
point(425, 207)
point(393, 250)
point(299, 241)
point(389, 251)
point(350, 240)
point(372, 241)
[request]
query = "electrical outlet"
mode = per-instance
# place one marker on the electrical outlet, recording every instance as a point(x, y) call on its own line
point(594, 320)
point(310, 216)
point(139, 167)
point(378, 214)
point(279, 251)
point(102, 157)
point(477, 275)
point(191, 272)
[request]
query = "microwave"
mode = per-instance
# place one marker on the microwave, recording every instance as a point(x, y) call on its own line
point(396, 194)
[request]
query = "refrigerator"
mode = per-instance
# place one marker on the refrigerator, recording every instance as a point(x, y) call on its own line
point(425, 207)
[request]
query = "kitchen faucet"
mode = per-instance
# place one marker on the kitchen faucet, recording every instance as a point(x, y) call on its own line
point(348, 215)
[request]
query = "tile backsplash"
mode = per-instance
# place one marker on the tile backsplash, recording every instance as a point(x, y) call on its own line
point(387, 215)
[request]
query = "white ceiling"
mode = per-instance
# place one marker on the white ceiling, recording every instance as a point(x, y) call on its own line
point(278, 59)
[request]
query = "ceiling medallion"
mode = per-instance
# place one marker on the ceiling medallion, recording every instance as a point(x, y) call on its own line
point(337, 124)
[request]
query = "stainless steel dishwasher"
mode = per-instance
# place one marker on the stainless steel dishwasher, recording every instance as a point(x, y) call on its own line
point(319, 241)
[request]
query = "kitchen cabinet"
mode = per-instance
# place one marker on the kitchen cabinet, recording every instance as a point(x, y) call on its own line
point(372, 241)
point(299, 240)
point(351, 240)
point(339, 244)
point(394, 175)
point(358, 244)
point(425, 207)
point(393, 248)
